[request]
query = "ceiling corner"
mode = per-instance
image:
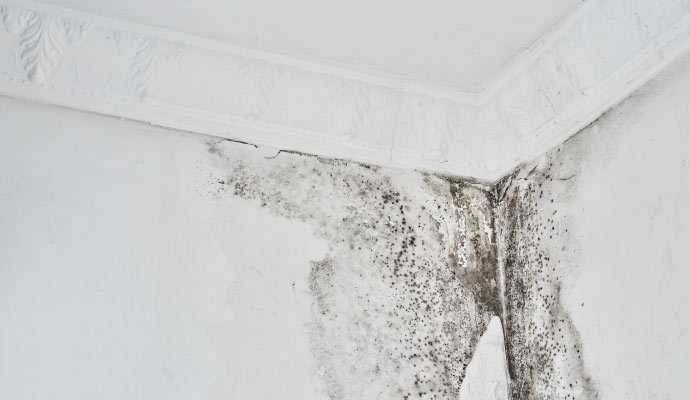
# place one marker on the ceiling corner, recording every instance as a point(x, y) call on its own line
point(111, 66)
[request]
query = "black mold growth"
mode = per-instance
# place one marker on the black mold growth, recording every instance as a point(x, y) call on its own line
point(478, 268)
point(410, 282)
point(543, 347)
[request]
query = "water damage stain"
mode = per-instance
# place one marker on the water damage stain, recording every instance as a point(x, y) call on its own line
point(476, 258)
point(417, 266)
point(410, 282)
point(536, 252)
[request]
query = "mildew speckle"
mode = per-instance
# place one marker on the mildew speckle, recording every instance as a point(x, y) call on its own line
point(476, 258)
point(321, 285)
point(536, 252)
point(410, 281)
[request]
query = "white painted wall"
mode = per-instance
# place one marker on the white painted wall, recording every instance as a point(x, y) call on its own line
point(142, 263)
point(633, 223)
point(120, 278)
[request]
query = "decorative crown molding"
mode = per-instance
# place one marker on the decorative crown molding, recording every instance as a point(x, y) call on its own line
point(565, 81)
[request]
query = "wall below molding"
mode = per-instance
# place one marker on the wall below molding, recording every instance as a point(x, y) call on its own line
point(141, 262)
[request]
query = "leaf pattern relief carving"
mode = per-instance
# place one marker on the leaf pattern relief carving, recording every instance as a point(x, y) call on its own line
point(140, 50)
point(257, 82)
point(441, 121)
point(567, 61)
point(42, 40)
point(350, 108)
point(8, 16)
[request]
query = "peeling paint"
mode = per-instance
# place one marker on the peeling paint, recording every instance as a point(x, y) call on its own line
point(487, 375)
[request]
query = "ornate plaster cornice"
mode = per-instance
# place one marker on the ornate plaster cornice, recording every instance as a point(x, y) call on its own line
point(563, 82)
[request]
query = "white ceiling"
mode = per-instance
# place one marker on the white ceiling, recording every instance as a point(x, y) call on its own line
point(458, 44)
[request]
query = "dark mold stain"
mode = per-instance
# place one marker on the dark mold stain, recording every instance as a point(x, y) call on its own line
point(410, 283)
point(321, 284)
point(475, 207)
point(543, 346)
point(416, 270)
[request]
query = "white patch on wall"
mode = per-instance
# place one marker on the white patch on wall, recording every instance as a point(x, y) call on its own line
point(487, 377)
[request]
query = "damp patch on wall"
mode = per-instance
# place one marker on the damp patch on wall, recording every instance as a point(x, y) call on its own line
point(536, 252)
point(419, 264)
point(410, 282)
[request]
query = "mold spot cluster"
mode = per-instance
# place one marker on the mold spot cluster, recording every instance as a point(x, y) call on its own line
point(536, 252)
point(410, 281)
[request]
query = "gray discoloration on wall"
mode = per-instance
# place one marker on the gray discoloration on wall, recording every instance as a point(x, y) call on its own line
point(475, 260)
point(321, 285)
point(410, 281)
point(418, 264)
point(536, 253)
point(544, 207)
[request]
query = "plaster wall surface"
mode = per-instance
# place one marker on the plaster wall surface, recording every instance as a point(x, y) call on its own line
point(138, 262)
point(593, 239)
